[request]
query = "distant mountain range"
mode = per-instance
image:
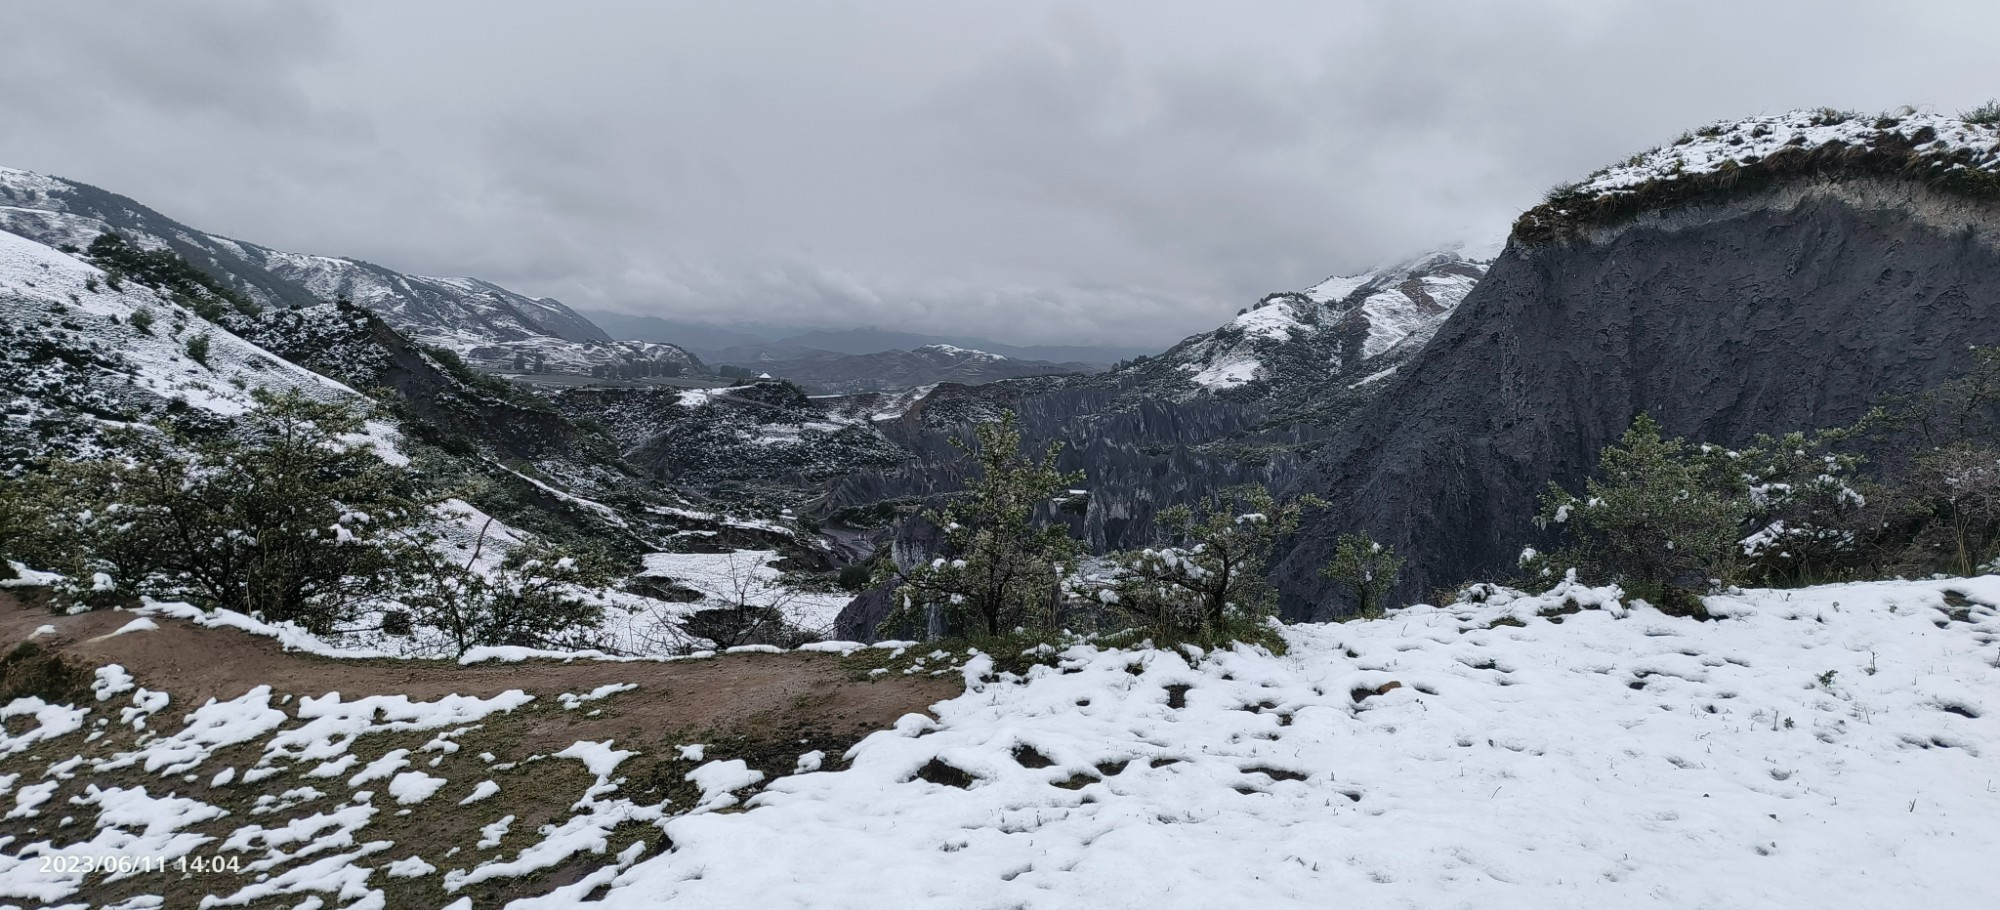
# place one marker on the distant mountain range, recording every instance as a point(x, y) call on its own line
point(755, 343)
point(482, 322)
point(826, 372)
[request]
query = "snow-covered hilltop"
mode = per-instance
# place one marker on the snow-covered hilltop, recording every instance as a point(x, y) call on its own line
point(1955, 154)
point(79, 352)
point(487, 324)
point(1338, 326)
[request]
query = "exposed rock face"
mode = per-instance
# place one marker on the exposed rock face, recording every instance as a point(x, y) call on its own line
point(1793, 308)
point(1239, 405)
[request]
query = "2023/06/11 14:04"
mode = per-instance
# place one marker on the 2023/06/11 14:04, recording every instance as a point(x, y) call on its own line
point(137, 865)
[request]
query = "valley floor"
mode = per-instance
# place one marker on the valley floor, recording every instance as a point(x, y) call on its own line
point(1828, 747)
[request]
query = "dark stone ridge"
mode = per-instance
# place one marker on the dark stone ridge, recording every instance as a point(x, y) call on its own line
point(1796, 308)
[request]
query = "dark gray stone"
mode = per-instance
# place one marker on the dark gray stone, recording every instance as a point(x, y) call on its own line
point(1795, 309)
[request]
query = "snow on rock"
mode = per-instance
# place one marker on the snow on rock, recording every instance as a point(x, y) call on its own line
point(37, 281)
point(1389, 310)
point(1820, 747)
point(743, 576)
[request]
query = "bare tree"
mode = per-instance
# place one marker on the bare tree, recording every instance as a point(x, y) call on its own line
point(745, 604)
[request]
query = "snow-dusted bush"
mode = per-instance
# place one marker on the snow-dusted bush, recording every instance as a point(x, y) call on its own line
point(282, 515)
point(1001, 567)
point(1367, 569)
point(1209, 580)
point(533, 597)
point(1652, 520)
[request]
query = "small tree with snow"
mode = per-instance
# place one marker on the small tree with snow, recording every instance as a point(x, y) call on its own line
point(1366, 568)
point(282, 515)
point(1655, 519)
point(1210, 577)
point(1002, 568)
point(536, 595)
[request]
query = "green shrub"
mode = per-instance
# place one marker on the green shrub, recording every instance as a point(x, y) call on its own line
point(1988, 113)
point(1367, 568)
point(280, 517)
point(142, 319)
point(197, 349)
point(165, 270)
point(1653, 519)
point(1001, 567)
point(1211, 574)
point(534, 597)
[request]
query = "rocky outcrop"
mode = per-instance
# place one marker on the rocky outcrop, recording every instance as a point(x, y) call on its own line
point(1793, 306)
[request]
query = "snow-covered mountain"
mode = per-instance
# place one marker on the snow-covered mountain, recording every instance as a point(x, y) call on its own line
point(483, 322)
point(1337, 327)
point(79, 352)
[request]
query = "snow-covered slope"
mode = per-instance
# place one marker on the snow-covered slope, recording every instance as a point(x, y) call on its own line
point(1337, 327)
point(485, 323)
point(77, 354)
point(1823, 747)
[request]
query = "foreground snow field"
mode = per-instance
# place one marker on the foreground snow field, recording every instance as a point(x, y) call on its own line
point(1830, 747)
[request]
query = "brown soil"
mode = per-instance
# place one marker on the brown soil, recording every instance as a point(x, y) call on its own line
point(765, 709)
point(714, 694)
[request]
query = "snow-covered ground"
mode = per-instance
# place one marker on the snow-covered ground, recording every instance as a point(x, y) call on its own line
point(748, 577)
point(1829, 747)
point(1832, 746)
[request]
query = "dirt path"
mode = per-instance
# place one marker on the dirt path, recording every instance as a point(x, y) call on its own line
point(196, 664)
point(766, 710)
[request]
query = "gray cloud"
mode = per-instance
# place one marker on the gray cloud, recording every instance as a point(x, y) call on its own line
point(1042, 171)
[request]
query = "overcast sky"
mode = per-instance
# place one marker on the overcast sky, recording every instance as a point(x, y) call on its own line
point(1036, 172)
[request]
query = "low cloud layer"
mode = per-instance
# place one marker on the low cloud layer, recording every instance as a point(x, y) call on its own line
point(1036, 172)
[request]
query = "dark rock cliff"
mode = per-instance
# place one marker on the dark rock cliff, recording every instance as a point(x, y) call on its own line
point(1794, 308)
point(1140, 454)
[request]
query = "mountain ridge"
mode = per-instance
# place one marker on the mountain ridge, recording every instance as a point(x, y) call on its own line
point(473, 317)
